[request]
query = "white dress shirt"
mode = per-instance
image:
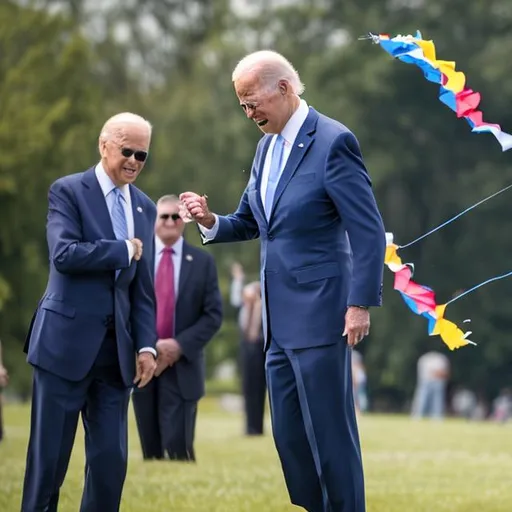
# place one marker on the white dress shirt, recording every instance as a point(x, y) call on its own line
point(289, 134)
point(107, 187)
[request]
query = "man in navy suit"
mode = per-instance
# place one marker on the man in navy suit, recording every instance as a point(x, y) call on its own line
point(310, 201)
point(93, 335)
point(189, 313)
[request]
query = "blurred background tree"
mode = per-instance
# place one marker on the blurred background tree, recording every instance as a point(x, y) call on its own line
point(67, 65)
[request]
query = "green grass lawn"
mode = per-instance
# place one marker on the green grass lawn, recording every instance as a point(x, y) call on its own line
point(410, 466)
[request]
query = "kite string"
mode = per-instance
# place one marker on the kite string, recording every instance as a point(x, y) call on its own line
point(454, 218)
point(496, 278)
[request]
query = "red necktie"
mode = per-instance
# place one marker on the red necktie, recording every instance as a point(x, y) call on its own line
point(165, 297)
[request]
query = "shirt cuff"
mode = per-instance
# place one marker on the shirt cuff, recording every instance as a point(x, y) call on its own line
point(130, 251)
point(211, 233)
point(148, 349)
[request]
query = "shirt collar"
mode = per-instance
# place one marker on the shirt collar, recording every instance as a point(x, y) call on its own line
point(294, 124)
point(178, 246)
point(106, 184)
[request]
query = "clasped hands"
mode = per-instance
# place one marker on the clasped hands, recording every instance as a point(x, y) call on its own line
point(169, 351)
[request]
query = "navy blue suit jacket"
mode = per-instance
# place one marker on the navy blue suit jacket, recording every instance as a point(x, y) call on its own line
point(198, 318)
point(83, 296)
point(323, 247)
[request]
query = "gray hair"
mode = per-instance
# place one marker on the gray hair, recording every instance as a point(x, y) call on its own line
point(271, 67)
point(114, 125)
point(168, 198)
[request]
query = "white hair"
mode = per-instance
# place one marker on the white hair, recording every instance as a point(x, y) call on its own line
point(116, 123)
point(270, 67)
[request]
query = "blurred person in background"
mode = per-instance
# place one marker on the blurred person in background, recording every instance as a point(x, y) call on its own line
point(254, 383)
point(189, 313)
point(433, 372)
point(359, 381)
point(310, 201)
point(92, 337)
point(247, 300)
point(4, 380)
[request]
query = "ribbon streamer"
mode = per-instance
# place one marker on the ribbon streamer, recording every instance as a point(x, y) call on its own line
point(422, 300)
point(453, 91)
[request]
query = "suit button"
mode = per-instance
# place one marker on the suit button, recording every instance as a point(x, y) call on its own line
point(271, 236)
point(109, 321)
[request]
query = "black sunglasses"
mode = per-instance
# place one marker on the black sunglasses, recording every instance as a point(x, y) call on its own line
point(173, 216)
point(140, 156)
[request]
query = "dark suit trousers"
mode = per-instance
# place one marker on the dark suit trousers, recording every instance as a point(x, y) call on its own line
point(57, 403)
point(254, 385)
point(166, 422)
point(314, 427)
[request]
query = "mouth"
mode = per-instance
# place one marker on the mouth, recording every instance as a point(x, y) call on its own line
point(130, 171)
point(263, 122)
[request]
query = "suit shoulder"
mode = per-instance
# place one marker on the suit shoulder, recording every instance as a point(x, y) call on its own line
point(332, 128)
point(69, 180)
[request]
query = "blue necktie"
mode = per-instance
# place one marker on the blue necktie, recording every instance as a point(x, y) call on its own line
point(118, 216)
point(273, 175)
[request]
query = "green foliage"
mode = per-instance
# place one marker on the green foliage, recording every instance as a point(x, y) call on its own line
point(171, 60)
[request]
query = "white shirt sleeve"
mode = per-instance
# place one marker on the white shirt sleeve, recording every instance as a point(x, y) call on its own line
point(210, 234)
point(130, 251)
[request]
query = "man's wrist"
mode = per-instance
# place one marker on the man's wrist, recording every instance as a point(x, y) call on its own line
point(151, 350)
point(357, 306)
point(209, 221)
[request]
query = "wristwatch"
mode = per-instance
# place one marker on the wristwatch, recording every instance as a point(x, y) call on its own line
point(357, 306)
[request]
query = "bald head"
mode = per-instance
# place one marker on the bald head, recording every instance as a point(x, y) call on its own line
point(120, 122)
point(270, 67)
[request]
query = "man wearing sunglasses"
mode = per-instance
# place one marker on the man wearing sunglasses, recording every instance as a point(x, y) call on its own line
point(189, 313)
point(92, 337)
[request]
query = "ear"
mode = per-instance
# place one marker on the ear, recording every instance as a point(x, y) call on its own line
point(283, 87)
point(102, 146)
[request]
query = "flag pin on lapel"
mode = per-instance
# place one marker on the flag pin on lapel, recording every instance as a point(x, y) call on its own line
point(189, 257)
point(301, 145)
point(139, 209)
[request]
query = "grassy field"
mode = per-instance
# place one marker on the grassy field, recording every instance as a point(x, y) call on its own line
point(410, 466)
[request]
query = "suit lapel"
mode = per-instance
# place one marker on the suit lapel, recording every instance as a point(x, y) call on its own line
point(186, 268)
point(95, 197)
point(137, 211)
point(302, 142)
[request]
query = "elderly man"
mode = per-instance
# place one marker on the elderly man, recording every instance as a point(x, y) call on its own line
point(310, 201)
point(93, 334)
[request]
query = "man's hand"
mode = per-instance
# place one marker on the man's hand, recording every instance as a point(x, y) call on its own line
point(137, 248)
point(146, 366)
point(4, 377)
point(357, 325)
point(197, 207)
point(169, 351)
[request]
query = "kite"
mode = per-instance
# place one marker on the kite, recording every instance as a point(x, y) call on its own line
point(464, 102)
point(453, 91)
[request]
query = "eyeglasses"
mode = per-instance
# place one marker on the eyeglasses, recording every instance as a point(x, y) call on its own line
point(140, 156)
point(173, 216)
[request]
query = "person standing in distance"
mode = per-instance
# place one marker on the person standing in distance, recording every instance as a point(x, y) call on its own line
point(309, 200)
point(93, 334)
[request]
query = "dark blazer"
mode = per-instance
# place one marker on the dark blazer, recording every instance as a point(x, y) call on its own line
point(198, 318)
point(83, 297)
point(323, 247)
